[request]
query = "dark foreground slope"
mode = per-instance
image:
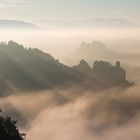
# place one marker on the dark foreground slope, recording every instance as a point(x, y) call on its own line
point(31, 69)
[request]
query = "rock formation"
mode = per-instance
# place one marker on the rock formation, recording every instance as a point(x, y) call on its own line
point(105, 73)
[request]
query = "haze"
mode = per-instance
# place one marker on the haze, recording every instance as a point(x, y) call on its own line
point(52, 90)
point(62, 28)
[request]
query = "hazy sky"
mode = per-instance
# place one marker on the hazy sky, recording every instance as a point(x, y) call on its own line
point(39, 10)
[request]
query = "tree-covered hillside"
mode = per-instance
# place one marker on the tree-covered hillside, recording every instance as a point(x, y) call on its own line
point(31, 69)
point(23, 69)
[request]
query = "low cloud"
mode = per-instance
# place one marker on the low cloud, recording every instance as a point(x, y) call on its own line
point(71, 114)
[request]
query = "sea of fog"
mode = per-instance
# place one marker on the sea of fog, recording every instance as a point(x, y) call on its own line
point(71, 114)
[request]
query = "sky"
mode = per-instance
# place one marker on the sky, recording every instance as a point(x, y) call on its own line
point(41, 10)
point(52, 38)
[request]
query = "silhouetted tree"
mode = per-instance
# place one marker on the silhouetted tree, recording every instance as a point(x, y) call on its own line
point(8, 129)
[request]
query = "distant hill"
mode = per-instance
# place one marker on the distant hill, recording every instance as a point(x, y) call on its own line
point(93, 51)
point(15, 24)
point(93, 22)
point(108, 22)
point(30, 69)
point(126, 52)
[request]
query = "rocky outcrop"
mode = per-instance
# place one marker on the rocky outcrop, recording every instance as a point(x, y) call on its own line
point(105, 73)
point(83, 67)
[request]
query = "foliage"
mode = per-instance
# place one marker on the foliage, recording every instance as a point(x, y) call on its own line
point(8, 129)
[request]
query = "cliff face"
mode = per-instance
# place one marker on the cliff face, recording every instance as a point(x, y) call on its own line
point(105, 73)
point(83, 67)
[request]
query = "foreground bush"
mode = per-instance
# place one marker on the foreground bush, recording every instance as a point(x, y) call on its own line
point(8, 129)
